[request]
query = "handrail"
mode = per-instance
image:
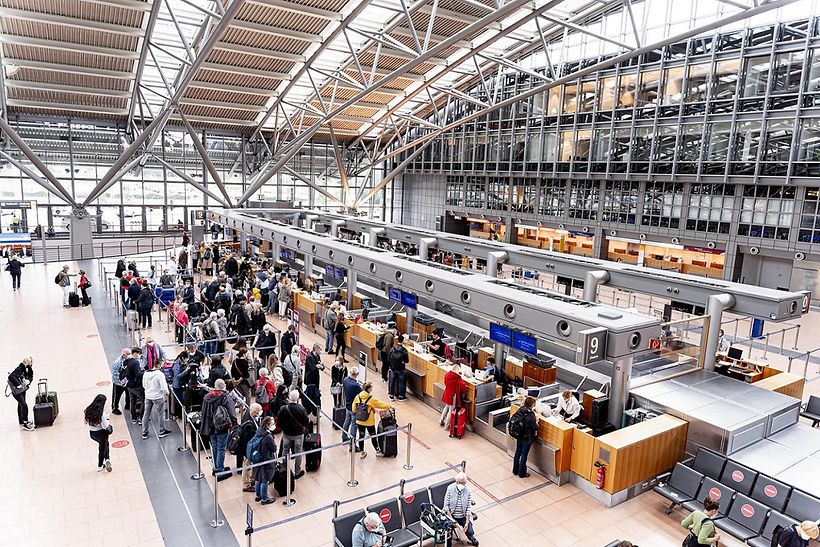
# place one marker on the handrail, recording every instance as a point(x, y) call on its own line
point(807, 355)
point(101, 249)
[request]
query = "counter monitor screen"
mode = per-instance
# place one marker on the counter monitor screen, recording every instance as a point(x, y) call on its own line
point(330, 270)
point(524, 342)
point(339, 273)
point(409, 299)
point(367, 303)
point(500, 334)
point(413, 337)
point(395, 295)
point(735, 353)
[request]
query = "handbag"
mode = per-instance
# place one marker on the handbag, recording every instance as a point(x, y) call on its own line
point(110, 429)
point(335, 390)
point(691, 539)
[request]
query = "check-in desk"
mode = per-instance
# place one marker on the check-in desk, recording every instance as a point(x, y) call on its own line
point(308, 308)
point(761, 375)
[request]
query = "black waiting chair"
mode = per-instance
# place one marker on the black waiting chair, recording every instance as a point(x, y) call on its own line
point(812, 410)
point(411, 512)
point(772, 493)
point(343, 528)
point(683, 485)
point(775, 519)
point(391, 518)
point(739, 477)
point(709, 463)
point(715, 490)
point(438, 491)
point(802, 506)
point(745, 519)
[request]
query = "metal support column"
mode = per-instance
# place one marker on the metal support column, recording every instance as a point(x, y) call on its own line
point(619, 392)
point(494, 258)
point(715, 306)
point(308, 264)
point(591, 282)
point(351, 288)
point(243, 242)
point(373, 234)
point(334, 227)
point(310, 222)
point(499, 357)
point(411, 318)
point(425, 244)
point(277, 252)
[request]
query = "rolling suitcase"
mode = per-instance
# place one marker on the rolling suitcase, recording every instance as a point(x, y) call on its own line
point(280, 482)
point(73, 299)
point(339, 415)
point(314, 459)
point(196, 424)
point(388, 444)
point(132, 319)
point(458, 422)
point(46, 396)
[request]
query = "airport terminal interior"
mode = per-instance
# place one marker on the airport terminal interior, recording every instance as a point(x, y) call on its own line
point(370, 273)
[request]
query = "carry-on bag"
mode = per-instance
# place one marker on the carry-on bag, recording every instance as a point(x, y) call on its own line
point(339, 415)
point(389, 443)
point(46, 396)
point(74, 299)
point(458, 422)
point(280, 482)
point(314, 459)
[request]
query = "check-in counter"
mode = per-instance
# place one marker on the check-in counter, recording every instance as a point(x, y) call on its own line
point(761, 375)
point(308, 308)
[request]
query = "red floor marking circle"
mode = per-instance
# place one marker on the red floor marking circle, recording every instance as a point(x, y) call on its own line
point(714, 493)
point(385, 515)
point(770, 490)
point(119, 444)
point(747, 510)
point(737, 476)
point(103, 383)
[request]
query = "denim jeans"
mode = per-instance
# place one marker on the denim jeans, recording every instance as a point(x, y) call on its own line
point(219, 442)
point(470, 532)
point(210, 347)
point(101, 437)
point(522, 449)
point(261, 490)
point(349, 427)
point(329, 337)
point(396, 386)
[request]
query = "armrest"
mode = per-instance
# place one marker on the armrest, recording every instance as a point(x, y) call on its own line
point(663, 477)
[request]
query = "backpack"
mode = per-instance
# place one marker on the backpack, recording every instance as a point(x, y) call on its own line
point(287, 376)
point(380, 342)
point(58, 280)
point(207, 255)
point(516, 425)
point(221, 420)
point(362, 410)
point(776, 533)
point(261, 393)
point(252, 451)
point(234, 440)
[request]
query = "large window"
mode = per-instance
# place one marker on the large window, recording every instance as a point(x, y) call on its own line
point(724, 79)
point(475, 194)
point(455, 191)
point(552, 198)
point(757, 76)
point(662, 204)
point(810, 217)
point(620, 202)
point(710, 208)
point(583, 199)
point(786, 72)
point(497, 193)
point(766, 211)
point(697, 82)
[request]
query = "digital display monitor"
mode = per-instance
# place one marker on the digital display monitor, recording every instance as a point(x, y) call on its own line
point(394, 295)
point(329, 270)
point(340, 273)
point(409, 299)
point(735, 353)
point(500, 334)
point(367, 303)
point(525, 343)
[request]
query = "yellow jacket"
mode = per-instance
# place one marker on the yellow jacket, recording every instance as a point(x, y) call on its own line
point(373, 405)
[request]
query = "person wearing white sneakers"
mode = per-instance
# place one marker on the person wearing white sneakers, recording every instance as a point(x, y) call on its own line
point(156, 390)
point(99, 430)
point(18, 382)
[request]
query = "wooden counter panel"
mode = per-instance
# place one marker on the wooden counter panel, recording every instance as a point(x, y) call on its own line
point(583, 445)
point(785, 383)
point(559, 434)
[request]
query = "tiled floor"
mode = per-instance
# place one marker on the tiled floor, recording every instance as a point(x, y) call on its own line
point(52, 495)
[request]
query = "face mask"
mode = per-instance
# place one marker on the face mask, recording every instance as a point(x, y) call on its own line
point(460, 487)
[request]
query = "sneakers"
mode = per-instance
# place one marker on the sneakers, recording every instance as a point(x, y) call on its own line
point(364, 454)
point(133, 421)
point(257, 499)
point(107, 465)
point(250, 489)
point(144, 434)
point(402, 398)
point(101, 469)
point(164, 433)
point(378, 451)
point(299, 475)
point(116, 412)
point(28, 426)
point(268, 501)
point(524, 476)
point(391, 398)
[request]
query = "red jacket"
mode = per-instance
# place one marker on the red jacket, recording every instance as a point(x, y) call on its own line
point(453, 386)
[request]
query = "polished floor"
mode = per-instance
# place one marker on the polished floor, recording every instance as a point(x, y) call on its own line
point(52, 494)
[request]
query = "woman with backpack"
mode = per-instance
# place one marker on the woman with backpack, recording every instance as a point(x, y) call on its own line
point(798, 535)
point(19, 380)
point(700, 525)
point(364, 409)
point(264, 390)
point(523, 427)
point(99, 430)
point(278, 402)
point(240, 372)
point(262, 448)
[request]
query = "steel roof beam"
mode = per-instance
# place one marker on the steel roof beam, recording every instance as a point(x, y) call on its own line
point(190, 180)
point(67, 46)
point(215, 121)
point(69, 69)
point(260, 52)
point(203, 153)
point(234, 88)
point(135, 5)
point(31, 103)
point(220, 104)
point(246, 71)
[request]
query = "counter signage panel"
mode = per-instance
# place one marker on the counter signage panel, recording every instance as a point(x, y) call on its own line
point(409, 299)
point(339, 273)
point(524, 342)
point(500, 334)
point(394, 295)
point(330, 271)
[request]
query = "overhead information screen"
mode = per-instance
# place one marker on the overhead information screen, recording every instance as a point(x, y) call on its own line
point(500, 334)
point(524, 342)
point(409, 299)
point(395, 295)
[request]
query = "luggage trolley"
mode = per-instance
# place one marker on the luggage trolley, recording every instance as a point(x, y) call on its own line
point(437, 523)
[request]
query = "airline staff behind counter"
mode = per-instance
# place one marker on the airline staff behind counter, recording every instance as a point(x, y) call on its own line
point(568, 406)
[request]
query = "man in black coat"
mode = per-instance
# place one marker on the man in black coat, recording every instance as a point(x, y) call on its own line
point(251, 419)
point(288, 341)
point(267, 341)
point(231, 266)
point(134, 291)
point(13, 267)
point(212, 291)
point(313, 364)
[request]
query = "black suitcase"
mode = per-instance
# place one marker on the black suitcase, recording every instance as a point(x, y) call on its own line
point(74, 300)
point(46, 396)
point(279, 481)
point(44, 414)
point(314, 459)
point(195, 423)
point(389, 444)
point(339, 415)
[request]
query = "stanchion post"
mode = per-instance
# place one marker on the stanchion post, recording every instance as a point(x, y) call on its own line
point(407, 465)
point(806, 366)
point(782, 340)
point(737, 324)
point(789, 368)
point(289, 501)
point(766, 349)
point(199, 474)
point(352, 482)
point(216, 523)
point(184, 447)
point(463, 466)
point(796, 337)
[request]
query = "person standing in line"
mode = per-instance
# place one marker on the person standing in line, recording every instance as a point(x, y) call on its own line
point(155, 387)
point(313, 364)
point(339, 330)
point(119, 389)
point(14, 268)
point(457, 502)
point(294, 423)
point(133, 376)
point(19, 381)
point(525, 438)
point(350, 389)
point(454, 386)
point(99, 430)
point(284, 297)
point(251, 420)
point(701, 526)
point(177, 385)
point(263, 474)
point(84, 285)
point(397, 359)
point(329, 324)
point(293, 364)
point(387, 344)
point(145, 303)
point(288, 342)
point(265, 343)
point(338, 372)
point(151, 352)
point(64, 281)
point(181, 323)
point(364, 410)
point(218, 417)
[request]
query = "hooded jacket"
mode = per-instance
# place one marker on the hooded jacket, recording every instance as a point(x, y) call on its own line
point(154, 384)
point(212, 400)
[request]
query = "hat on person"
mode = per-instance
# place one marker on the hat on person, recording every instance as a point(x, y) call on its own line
point(810, 529)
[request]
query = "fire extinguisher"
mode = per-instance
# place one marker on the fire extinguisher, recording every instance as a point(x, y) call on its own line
point(601, 475)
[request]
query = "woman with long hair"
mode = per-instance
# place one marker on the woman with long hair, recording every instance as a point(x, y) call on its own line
point(99, 430)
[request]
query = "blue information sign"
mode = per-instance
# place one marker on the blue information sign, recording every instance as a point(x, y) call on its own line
point(394, 295)
point(339, 273)
point(500, 334)
point(525, 343)
point(409, 299)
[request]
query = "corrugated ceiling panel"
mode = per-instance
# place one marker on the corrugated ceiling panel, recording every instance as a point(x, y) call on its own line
point(409, 42)
point(249, 61)
point(390, 62)
point(63, 113)
point(41, 95)
point(89, 60)
point(230, 78)
point(331, 5)
point(104, 13)
point(64, 78)
point(84, 36)
point(217, 112)
point(441, 26)
point(266, 15)
point(225, 96)
point(396, 83)
point(265, 41)
point(462, 7)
